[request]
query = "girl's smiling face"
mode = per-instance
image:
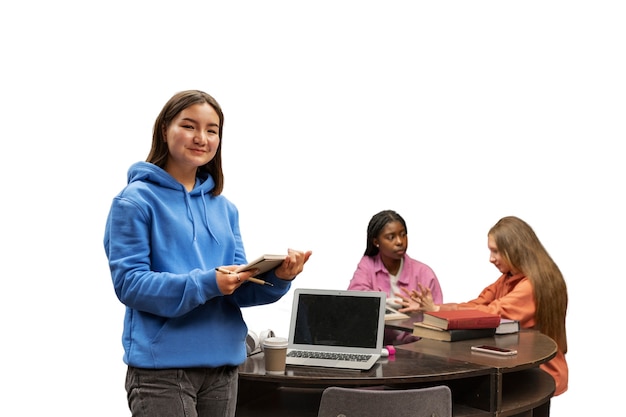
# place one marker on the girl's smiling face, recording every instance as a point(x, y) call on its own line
point(192, 138)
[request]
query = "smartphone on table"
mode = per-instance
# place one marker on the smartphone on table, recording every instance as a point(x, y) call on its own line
point(494, 350)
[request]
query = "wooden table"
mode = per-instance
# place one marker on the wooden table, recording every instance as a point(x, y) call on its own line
point(481, 384)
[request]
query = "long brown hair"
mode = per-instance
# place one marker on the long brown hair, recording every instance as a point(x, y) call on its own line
point(179, 102)
point(520, 247)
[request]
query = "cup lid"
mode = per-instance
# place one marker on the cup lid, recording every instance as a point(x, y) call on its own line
point(275, 342)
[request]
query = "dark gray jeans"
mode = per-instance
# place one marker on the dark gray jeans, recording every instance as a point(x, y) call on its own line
point(191, 392)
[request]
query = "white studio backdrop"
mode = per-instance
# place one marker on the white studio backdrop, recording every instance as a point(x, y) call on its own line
point(453, 113)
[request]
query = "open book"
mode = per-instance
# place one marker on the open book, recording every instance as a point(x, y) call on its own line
point(263, 263)
point(393, 314)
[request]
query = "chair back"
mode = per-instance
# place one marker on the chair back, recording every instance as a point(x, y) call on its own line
point(356, 402)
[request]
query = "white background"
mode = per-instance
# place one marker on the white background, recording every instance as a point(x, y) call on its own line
point(452, 113)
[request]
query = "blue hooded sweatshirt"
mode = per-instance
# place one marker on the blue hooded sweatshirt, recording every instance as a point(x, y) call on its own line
point(163, 244)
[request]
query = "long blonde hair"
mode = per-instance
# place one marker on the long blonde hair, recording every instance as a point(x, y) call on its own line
point(520, 247)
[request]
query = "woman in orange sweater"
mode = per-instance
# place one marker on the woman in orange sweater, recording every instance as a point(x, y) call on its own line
point(531, 289)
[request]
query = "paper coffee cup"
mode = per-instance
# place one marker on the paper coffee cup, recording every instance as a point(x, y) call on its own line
point(275, 351)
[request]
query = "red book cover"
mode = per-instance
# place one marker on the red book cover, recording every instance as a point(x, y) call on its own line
point(461, 319)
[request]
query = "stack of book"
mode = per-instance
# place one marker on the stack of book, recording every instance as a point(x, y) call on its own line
point(454, 325)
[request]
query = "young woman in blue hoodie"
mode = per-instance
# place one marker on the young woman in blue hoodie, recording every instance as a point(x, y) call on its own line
point(166, 233)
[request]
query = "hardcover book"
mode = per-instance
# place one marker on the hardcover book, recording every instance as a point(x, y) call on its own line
point(431, 332)
point(507, 326)
point(461, 319)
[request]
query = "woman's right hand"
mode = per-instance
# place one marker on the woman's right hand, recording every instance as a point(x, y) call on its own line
point(228, 281)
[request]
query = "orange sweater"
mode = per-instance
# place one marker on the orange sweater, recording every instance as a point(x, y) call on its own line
point(512, 298)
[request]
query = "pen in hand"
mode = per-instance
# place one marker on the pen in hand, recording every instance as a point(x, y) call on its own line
point(251, 279)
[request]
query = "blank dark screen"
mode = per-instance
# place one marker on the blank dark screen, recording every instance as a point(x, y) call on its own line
point(336, 320)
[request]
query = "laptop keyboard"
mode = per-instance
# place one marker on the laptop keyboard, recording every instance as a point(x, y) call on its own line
point(352, 357)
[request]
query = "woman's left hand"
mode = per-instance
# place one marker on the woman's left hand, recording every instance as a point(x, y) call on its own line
point(292, 265)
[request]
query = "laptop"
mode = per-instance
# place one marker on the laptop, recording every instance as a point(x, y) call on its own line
point(336, 328)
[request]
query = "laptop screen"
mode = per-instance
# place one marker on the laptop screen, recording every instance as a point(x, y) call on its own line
point(337, 319)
